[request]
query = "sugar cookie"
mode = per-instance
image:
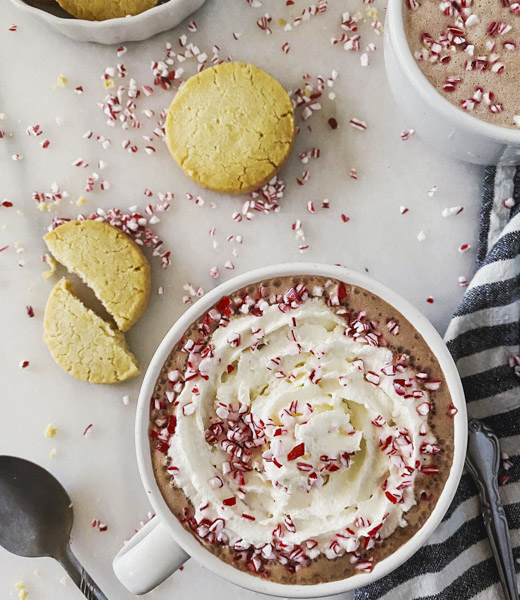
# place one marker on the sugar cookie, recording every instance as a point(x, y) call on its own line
point(231, 128)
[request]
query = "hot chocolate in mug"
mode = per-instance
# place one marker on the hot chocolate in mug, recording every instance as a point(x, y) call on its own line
point(164, 544)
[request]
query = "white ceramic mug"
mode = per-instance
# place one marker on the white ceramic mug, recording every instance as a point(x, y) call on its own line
point(161, 547)
point(452, 131)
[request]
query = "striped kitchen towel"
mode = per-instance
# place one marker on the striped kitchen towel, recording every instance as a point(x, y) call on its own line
point(483, 336)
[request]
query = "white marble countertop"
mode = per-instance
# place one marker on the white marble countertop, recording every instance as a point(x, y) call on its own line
point(100, 470)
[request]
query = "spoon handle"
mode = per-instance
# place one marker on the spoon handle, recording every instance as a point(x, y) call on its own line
point(80, 577)
point(483, 463)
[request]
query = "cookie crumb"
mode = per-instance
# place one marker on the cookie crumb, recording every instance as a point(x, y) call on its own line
point(52, 266)
point(50, 431)
point(22, 591)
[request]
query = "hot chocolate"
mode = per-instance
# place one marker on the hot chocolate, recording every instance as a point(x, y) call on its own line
point(470, 52)
point(301, 430)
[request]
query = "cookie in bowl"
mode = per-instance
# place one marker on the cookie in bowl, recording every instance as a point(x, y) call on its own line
point(101, 10)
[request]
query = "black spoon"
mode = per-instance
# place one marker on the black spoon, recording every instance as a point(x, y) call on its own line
point(36, 519)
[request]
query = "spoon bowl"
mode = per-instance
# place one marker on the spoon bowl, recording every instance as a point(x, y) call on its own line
point(36, 519)
point(35, 510)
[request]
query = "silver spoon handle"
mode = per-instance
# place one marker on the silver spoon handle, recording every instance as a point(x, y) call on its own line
point(80, 577)
point(483, 463)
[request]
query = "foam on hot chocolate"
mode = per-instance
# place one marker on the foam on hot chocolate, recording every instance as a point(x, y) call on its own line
point(293, 436)
point(470, 52)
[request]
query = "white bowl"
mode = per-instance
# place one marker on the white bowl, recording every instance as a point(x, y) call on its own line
point(114, 31)
point(163, 544)
point(451, 130)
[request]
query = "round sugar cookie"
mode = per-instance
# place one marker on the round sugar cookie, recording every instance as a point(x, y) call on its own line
point(109, 262)
point(82, 343)
point(101, 10)
point(231, 128)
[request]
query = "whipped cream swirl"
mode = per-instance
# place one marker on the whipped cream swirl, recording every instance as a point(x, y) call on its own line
point(287, 428)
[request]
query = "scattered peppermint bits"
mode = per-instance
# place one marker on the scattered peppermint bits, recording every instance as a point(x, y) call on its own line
point(264, 23)
point(24, 364)
point(514, 363)
point(80, 162)
point(464, 248)
point(358, 124)
point(406, 134)
point(452, 211)
point(48, 200)
point(97, 524)
point(430, 300)
point(299, 235)
point(192, 293)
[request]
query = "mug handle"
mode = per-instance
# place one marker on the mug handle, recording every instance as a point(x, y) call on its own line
point(150, 557)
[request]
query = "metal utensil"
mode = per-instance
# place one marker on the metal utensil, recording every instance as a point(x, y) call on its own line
point(36, 519)
point(483, 463)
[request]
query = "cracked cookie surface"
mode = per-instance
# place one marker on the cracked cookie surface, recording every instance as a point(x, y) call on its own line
point(101, 10)
point(82, 343)
point(109, 262)
point(231, 128)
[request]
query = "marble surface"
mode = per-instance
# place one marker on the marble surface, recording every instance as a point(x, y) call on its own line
point(99, 470)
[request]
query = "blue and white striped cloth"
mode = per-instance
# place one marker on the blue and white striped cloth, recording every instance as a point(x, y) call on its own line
point(456, 563)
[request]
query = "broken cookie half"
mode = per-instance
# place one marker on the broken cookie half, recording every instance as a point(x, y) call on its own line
point(82, 343)
point(109, 262)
